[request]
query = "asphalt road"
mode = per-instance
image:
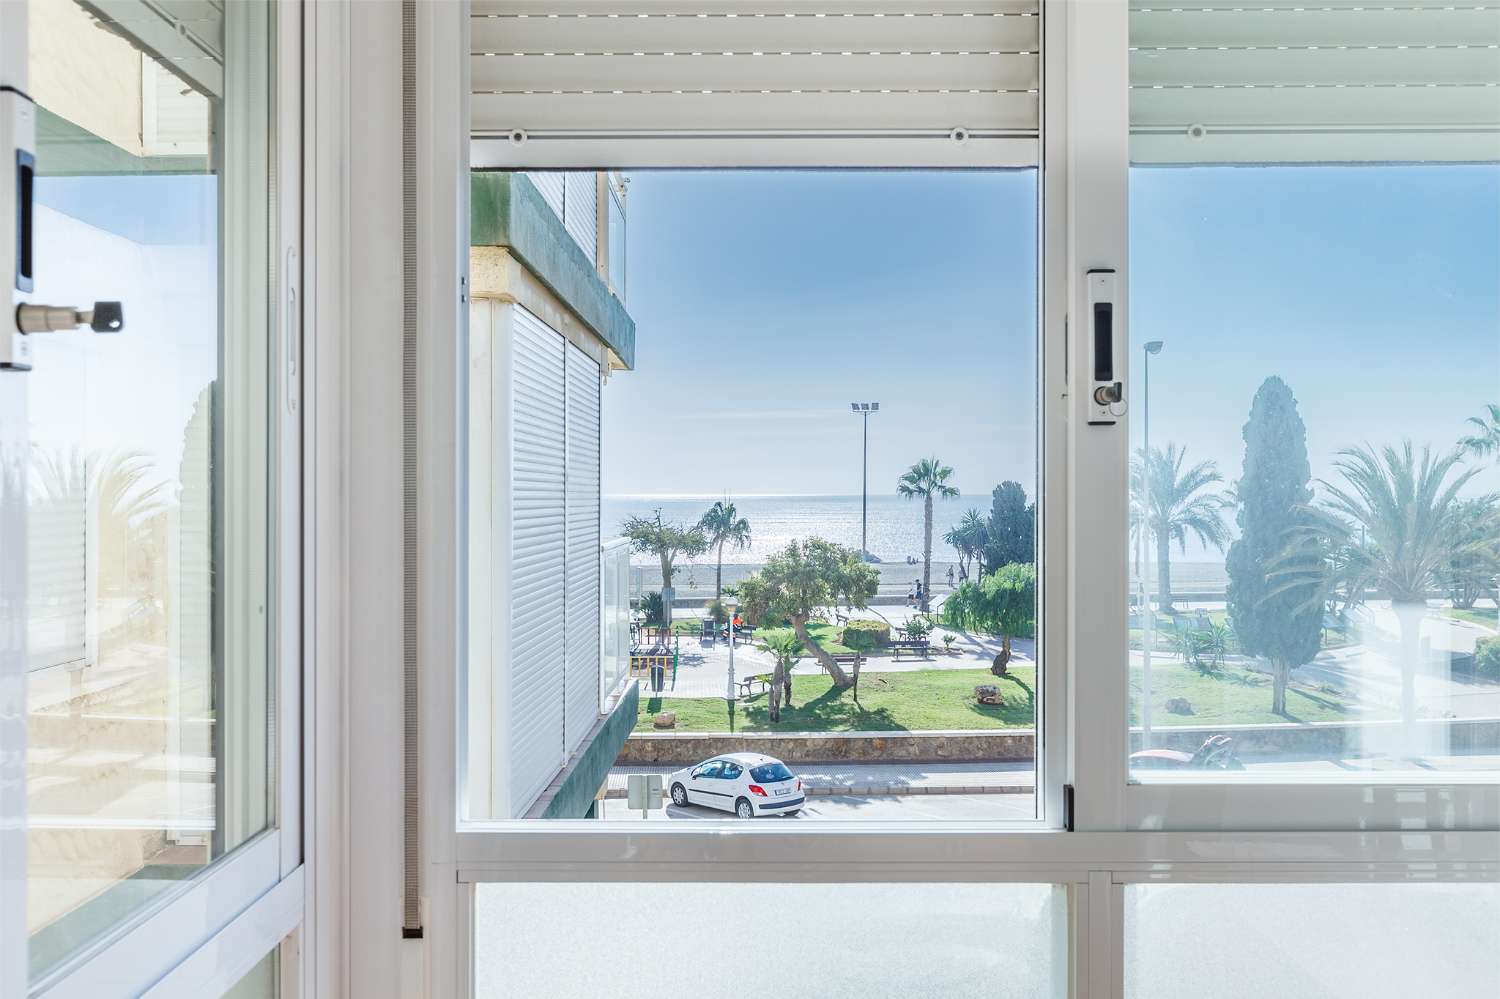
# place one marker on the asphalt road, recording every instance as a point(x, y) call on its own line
point(875, 808)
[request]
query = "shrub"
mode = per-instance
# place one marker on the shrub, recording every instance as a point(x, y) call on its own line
point(717, 612)
point(1487, 658)
point(651, 607)
point(866, 636)
point(919, 627)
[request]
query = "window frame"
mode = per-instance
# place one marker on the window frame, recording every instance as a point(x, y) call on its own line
point(246, 902)
point(1393, 831)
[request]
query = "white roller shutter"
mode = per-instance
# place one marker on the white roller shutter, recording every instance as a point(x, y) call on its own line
point(583, 546)
point(538, 544)
point(57, 570)
point(828, 66)
point(1330, 80)
point(581, 213)
point(550, 184)
point(187, 36)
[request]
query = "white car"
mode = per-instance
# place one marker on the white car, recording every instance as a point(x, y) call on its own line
point(747, 784)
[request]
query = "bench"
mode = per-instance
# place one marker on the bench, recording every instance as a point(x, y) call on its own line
point(911, 646)
point(749, 684)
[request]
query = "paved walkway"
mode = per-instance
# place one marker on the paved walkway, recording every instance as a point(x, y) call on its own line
point(873, 779)
point(844, 808)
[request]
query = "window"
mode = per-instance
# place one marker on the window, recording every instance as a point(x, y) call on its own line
point(1315, 331)
point(1343, 941)
point(974, 939)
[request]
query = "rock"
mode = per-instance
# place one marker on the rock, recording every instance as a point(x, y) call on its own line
point(1179, 706)
point(666, 719)
point(988, 693)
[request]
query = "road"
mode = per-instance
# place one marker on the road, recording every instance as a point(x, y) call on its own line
point(875, 808)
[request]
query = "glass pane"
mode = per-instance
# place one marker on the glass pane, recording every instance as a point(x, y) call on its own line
point(949, 940)
point(149, 687)
point(1332, 941)
point(708, 430)
point(1315, 327)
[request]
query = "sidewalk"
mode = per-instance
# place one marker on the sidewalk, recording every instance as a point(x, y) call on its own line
point(871, 779)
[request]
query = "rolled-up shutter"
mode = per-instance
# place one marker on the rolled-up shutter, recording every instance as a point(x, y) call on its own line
point(1331, 80)
point(538, 545)
point(583, 546)
point(186, 36)
point(713, 66)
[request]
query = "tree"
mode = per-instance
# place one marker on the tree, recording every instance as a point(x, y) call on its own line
point(1485, 442)
point(1394, 518)
point(806, 576)
point(666, 542)
point(1477, 560)
point(1173, 507)
point(1002, 603)
point(928, 478)
point(722, 525)
point(968, 539)
point(1274, 489)
point(1010, 535)
point(786, 648)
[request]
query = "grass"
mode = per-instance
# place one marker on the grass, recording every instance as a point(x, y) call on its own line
point(1473, 615)
point(825, 634)
point(944, 699)
point(1233, 695)
point(888, 702)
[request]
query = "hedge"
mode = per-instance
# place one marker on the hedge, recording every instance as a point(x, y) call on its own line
point(866, 636)
point(1487, 658)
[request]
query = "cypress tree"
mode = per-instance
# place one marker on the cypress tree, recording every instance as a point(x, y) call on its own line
point(1271, 620)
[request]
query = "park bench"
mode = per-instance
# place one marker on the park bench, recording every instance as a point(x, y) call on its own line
point(850, 660)
point(911, 646)
point(758, 684)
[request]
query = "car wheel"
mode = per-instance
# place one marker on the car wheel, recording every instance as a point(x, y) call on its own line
point(679, 795)
point(743, 809)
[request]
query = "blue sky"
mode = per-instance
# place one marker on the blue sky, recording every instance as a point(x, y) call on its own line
point(766, 301)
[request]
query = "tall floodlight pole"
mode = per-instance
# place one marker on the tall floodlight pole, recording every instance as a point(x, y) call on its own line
point(1148, 620)
point(864, 409)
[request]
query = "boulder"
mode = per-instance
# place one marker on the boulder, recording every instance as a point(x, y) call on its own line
point(988, 693)
point(1179, 706)
point(666, 719)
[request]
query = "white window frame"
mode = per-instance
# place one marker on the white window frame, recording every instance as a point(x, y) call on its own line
point(1397, 831)
point(201, 937)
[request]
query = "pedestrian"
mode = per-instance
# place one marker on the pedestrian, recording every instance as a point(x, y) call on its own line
point(911, 595)
point(919, 593)
point(950, 577)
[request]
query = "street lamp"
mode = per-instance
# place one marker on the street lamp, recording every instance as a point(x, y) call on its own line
point(1148, 620)
point(864, 409)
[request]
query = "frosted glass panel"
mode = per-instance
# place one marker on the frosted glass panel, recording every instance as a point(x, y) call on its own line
point(1312, 941)
point(727, 941)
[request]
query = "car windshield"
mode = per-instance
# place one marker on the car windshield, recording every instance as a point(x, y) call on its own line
point(768, 773)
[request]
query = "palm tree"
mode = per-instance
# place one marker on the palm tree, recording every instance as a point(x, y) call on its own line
point(1168, 504)
point(1397, 518)
point(722, 525)
point(927, 478)
point(968, 539)
point(1486, 442)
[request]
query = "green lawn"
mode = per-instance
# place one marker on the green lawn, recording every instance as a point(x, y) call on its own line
point(888, 702)
point(825, 634)
point(1233, 696)
point(944, 699)
point(1474, 615)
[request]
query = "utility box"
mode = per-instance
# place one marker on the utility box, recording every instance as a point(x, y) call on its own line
point(643, 791)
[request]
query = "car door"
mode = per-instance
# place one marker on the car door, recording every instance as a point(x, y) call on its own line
point(702, 783)
point(729, 785)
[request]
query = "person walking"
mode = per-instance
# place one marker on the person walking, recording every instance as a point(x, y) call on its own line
point(911, 595)
point(950, 577)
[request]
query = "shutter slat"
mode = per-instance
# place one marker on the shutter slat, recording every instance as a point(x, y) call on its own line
point(1297, 67)
point(1005, 112)
point(626, 35)
point(1210, 29)
point(918, 71)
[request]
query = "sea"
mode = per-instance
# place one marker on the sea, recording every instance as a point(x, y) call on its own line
point(894, 523)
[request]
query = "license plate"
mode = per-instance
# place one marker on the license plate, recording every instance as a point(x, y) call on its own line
point(783, 790)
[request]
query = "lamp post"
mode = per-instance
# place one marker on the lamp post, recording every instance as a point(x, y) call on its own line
point(864, 409)
point(1148, 619)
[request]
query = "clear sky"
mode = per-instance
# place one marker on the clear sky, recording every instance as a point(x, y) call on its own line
point(766, 301)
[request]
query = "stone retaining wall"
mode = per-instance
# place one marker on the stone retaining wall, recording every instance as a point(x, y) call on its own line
point(682, 748)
